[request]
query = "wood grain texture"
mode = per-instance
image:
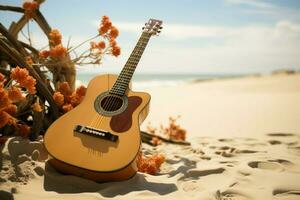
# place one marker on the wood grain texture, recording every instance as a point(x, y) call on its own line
point(123, 121)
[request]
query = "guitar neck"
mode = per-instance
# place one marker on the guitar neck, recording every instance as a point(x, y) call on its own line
point(126, 74)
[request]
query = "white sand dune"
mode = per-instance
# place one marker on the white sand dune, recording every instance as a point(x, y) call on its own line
point(233, 154)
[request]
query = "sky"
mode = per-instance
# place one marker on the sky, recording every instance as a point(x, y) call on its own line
point(198, 36)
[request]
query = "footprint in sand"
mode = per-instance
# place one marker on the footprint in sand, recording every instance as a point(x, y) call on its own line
point(294, 150)
point(274, 142)
point(275, 166)
point(281, 134)
point(226, 151)
point(286, 194)
point(230, 195)
point(196, 173)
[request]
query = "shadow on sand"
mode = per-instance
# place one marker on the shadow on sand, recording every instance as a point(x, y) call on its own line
point(55, 181)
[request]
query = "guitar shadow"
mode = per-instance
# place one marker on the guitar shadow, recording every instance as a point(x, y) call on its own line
point(60, 183)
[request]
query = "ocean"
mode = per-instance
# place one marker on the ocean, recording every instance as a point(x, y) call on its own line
point(141, 81)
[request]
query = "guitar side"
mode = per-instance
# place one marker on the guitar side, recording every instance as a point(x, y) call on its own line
point(91, 157)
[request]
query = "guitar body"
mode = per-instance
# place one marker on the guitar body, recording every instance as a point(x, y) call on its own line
point(90, 156)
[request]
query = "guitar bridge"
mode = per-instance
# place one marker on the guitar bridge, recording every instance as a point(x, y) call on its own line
point(96, 132)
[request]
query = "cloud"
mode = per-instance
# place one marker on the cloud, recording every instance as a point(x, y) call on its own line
point(245, 48)
point(253, 3)
point(260, 7)
point(187, 32)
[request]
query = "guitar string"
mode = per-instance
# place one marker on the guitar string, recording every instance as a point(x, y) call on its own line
point(94, 121)
point(110, 104)
point(140, 48)
point(129, 70)
point(96, 116)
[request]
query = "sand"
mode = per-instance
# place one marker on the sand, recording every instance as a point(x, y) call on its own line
point(245, 144)
point(248, 106)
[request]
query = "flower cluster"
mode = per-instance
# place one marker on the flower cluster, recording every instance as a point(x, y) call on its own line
point(149, 165)
point(7, 108)
point(110, 33)
point(67, 99)
point(173, 131)
point(55, 37)
point(57, 50)
point(30, 7)
point(21, 76)
point(11, 94)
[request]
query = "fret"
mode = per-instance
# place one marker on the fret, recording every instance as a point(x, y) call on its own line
point(121, 84)
point(134, 59)
point(127, 76)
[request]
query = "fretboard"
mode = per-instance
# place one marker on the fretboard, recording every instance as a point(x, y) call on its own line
point(121, 84)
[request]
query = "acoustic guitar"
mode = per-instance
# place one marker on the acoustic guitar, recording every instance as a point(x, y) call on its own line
point(100, 138)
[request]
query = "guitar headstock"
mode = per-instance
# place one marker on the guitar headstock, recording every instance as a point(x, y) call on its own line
point(153, 27)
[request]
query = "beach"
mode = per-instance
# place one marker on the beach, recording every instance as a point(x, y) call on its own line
point(243, 106)
point(245, 144)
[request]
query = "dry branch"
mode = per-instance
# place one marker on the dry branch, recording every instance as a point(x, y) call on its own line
point(147, 138)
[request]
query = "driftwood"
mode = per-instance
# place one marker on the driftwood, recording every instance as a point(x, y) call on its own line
point(63, 71)
point(147, 138)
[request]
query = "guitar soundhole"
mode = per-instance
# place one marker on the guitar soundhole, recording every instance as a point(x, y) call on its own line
point(111, 103)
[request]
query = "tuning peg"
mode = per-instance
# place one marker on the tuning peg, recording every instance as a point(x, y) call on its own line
point(158, 31)
point(160, 27)
point(143, 28)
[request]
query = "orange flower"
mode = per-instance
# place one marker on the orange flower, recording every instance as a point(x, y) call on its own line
point(22, 77)
point(67, 107)
point(101, 45)
point(75, 99)
point(58, 98)
point(114, 32)
point(81, 91)
point(29, 84)
point(116, 51)
point(4, 118)
point(102, 30)
point(64, 88)
point(15, 94)
point(19, 74)
point(58, 52)
point(93, 45)
point(37, 107)
point(156, 141)
point(112, 43)
point(105, 18)
point(4, 99)
point(55, 37)
point(11, 109)
point(149, 165)
point(44, 54)
point(30, 8)
point(174, 131)
point(105, 25)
